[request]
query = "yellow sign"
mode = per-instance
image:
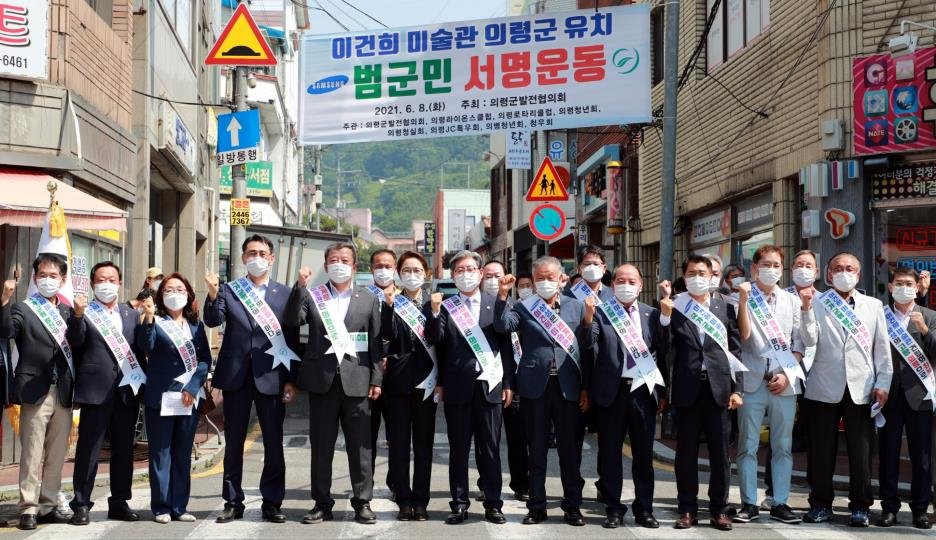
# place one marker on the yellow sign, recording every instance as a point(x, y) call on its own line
point(240, 212)
point(241, 43)
point(547, 185)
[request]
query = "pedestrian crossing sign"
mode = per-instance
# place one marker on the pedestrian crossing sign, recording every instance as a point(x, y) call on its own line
point(547, 185)
point(241, 43)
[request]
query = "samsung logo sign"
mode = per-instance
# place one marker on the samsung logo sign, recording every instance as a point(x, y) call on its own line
point(328, 84)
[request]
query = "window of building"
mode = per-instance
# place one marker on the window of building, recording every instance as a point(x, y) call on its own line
point(737, 24)
point(657, 26)
point(179, 14)
point(104, 9)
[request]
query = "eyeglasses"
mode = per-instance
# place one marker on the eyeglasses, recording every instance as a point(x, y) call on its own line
point(411, 272)
point(180, 290)
point(465, 270)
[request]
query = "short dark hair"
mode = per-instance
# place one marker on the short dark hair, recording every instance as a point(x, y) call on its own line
point(524, 275)
point(495, 261)
point(695, 258)
point(590, 250)
point(335, 246)
point(257, 238)
point(381, 252)
point(53, 258)
point(412, 255)
point(764, 250)
point(105, 264)
point(145, 293)
point(905, 271)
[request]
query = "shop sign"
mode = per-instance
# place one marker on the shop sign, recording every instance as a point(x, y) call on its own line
point(176, 139)
point(893, 104)
point(615, 206)
point(714, 226)
point(81, 283)
point(518, 150)
point(429, 234)
point(906, 182)
point(840, 222)
point(916, 238)
point(24, 31)
point(259, 177)
point(240, 212)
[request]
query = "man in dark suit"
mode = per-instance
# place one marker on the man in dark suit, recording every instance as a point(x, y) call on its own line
point(706, 384)
point(383, 265)
point(472, 386)
point(627, 396)
point(549, 380)
point(107, 387)
point(909, 404)
point(248, 374)
point(42, 385)
point(341, 371)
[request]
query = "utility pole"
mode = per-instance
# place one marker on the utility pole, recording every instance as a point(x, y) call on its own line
point(670, 74)
point(338, 201)
point(239, 183)
point(318, 171)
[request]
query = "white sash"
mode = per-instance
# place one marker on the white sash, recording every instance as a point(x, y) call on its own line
point(839, 309)
point(416, 321)
point(185, 347)
point(554, 326)
point(52, 321)
point(901, 339)
point(261, 313)
point(492, 370)
point(581, 291)
point(132, 370)
point(378, 292)
point(342, 342)
point(778, 348)
point(706, 321)
point(645, 370)
point(517, 349)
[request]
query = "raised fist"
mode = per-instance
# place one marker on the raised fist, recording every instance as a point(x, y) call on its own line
point(8, 287)
point(917, 319)
point(213, 282)
point(589, 307)
point(506, 283)
point(389, 295)
point(436, 301)
point(149, 310)
point(744, 290)
point(664, 289)
point(305, 274)
point(81, 303)
point(806, 296)
point(666, 306)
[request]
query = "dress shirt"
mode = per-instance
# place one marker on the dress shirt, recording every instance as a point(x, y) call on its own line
point(341, 301)
point(665, 320)
point(262, 288)
point(113, 314)
point(902, 318)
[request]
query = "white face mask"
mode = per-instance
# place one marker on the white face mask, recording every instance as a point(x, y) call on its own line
point(803, 277)
point(412, 282)
point(156, 284)
point(175, 301)
point(257, 266)
point(546, 289)
point(525, 292)
point(467, 282)
point(698, 285)
point(48, 287)
point(383, 276)
point(713, 283)
point(626, 292)
point(106, 292)
point(737, 281)
point(339, 272)
point(845, 281)
point(769, 276)
point(492, 286)
point(903, 294)
point(592, 273)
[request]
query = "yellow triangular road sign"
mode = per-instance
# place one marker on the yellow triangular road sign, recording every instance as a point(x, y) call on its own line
point(241, 43)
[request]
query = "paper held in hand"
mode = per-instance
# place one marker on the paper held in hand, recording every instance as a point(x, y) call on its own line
point(172, 405)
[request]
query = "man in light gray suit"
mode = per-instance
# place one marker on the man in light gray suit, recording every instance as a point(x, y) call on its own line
point(342, 321)
point(852, 369)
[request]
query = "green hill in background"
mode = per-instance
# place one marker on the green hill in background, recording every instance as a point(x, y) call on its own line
point(411, 171)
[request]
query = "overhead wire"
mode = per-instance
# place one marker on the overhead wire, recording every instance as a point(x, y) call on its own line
point(368, 15)
point(345, 13)
point(175, 102)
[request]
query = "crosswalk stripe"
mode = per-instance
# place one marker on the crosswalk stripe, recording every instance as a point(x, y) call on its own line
point(99, 527)
point(251, 526)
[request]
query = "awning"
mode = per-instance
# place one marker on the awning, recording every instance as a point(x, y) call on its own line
point(25, 203)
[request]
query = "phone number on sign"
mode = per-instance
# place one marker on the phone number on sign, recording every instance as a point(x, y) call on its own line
point(9, 60)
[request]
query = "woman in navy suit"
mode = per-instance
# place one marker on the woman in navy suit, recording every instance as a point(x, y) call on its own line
point(176, 347)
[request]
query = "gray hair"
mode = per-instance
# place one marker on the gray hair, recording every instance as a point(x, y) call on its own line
point(546, 260)
point(336, 246)
point(465, 254)
point(715, 259)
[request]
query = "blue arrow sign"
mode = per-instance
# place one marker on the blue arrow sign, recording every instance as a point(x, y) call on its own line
point(238, 131)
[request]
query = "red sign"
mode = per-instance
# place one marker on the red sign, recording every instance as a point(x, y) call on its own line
point(241, 43)
point(894, 102)
point(547, 222)
point(547, 184)
point(916, 238)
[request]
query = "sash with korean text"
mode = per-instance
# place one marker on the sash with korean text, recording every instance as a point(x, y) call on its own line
point(343, 342)
point(53, 322)
point(912, 354)
point(644, 370)
point(554, 326)
point(378, 292)
point(261, 313)
point(581, 291)
point(706, 321)
point(416, 321)
point(833, 303)
point(127, 361)
point(184, 346)
point(777, 347)
point(492, 370)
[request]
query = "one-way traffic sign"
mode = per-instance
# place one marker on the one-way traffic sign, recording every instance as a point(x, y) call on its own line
point(238, 137)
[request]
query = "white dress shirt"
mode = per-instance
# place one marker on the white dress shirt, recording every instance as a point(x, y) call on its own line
point(262, 288)
point(902, 318)
point(340, 301)
point(113, 314)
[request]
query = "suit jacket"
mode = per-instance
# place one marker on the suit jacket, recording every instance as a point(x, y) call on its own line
point(905, 379)
point(408, 363)
point(243, 351)
point(39, 353)
point(318, 368)
point(540, 350)
point(787, 313)
point(456, 360)
point(96, 369)
point(611, 356)
point(164, 363)
point(687, 353)
point(840, 363)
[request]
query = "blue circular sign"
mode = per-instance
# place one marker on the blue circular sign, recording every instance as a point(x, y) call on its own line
point(547, 222)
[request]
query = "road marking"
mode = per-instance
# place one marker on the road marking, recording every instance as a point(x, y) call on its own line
point(251, 526)
point(99, 527)
point(811, 532)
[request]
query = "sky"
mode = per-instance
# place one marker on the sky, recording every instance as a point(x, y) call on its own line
point(399, 13)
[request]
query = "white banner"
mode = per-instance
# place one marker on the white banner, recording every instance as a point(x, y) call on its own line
point(475, 77)
point(24, 39)
point(518, 150)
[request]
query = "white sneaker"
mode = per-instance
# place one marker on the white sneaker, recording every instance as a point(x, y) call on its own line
point(186, 517)
point(767, 504)
point(162, 518)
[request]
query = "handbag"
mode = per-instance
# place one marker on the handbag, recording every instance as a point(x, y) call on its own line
point(208, 403)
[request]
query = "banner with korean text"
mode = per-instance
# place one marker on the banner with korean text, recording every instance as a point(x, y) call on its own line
point(534, 72)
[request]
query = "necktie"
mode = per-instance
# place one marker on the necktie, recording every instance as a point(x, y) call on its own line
point(630, 359)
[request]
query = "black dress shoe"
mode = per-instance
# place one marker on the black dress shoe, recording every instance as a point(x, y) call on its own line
point(80, 517)
point(613, 521)
point(456, 517)
point(230, 513)
point(55, 516)
point(495, 516)
point(888, 519)
point(522, 495)
point(272, 513)
point(574, 518)
point(122, 514)
point(647, 521)
point(318, 514)
point(420, 513)
point(364, 514)
point(534, 516)
point(27, 522)
point(921, 521)
point(405, 514)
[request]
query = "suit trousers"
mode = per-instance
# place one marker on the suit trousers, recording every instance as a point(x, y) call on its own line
point(919, 424)
point(632, 414)
point(44, 429)
point(552, 408)
point(517, 452)
point(411, 424)
point(170, 460)
point(822, 421)
point(271, 411)
point(378, 410)
point(711, 417)
point(353, 413)
point(120, 419)
point(781, 412)
point(482, 421)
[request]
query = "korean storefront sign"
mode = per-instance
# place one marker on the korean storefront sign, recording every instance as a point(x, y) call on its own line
point(476, 77)
point(24, 30)
point(894, 102)
point(259, 176)
point(905, 182)
point(711, 227)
